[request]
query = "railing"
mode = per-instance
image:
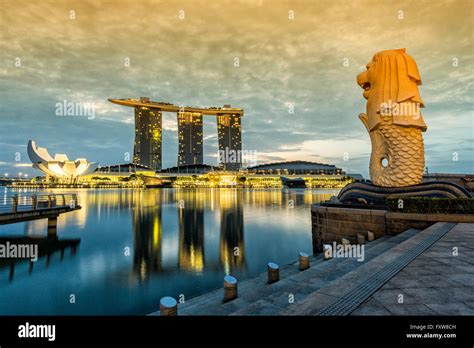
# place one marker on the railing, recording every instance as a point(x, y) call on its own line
point(18, 203)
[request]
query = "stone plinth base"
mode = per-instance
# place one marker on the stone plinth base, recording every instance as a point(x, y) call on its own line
point(331, 223)
point(371, 194)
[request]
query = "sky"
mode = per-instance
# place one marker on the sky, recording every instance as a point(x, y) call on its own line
point(291, 65)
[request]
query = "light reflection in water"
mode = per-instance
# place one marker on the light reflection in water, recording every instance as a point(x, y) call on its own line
point(180, 242)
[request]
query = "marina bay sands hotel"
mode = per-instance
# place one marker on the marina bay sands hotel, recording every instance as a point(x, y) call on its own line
point(148, 132)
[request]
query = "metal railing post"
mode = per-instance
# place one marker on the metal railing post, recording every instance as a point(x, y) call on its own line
point(34, 202)
point(14, 203)
point(74, 198)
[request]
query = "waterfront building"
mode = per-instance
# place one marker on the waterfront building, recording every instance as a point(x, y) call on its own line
point(191, 169)
point(125, 169)
point(296, 168)
point(229, 133)
point(147, 146)
point(190, 146)
point(59, 167)
point(148, 132)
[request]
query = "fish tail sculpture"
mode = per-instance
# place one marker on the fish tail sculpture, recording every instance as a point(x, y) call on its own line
point(393, 119)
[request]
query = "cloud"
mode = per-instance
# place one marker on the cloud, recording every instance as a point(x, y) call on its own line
point(192, 62)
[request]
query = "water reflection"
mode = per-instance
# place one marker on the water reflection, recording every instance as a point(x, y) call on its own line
point(147, 234)
point(180, 241)
point(191, 231)
point(232, 248)
point(33, 250)
point(190, 207)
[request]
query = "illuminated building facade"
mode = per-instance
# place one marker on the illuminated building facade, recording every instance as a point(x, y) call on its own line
point(296, 168)
point(148, 129)
point(147, 147)
point(230, 141)
point(190, 149)
point(59, 167)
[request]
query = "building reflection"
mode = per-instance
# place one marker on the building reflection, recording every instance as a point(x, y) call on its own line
point(191, 206)
point(147, 234)
point(181, 247)
point(191, 232)
point(232, 250)
point(169, 228)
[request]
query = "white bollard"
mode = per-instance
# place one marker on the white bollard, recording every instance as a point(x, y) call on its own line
point(273, 271)
point(168, 306)
point(370, 236)
point(230, 288)
point(304, 261)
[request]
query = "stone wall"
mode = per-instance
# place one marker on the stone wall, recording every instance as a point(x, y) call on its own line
point(330, 224)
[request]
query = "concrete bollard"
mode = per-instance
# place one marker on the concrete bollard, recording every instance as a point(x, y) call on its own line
point(230, 288)
point(370, 236)
point(273, 272)
point(304, 261)
point(360, 238)
point(327, 251)
point(168, 306)
point(346, 244)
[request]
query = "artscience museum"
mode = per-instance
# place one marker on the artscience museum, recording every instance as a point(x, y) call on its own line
point(59, 166)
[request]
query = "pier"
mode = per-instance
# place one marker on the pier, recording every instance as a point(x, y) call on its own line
point(34, 207)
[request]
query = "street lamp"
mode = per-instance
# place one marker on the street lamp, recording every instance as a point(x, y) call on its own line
point(6, 175)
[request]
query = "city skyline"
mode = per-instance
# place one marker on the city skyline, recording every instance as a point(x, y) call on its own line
point(290, 65)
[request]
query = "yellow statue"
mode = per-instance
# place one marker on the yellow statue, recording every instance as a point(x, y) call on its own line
point(393, 119)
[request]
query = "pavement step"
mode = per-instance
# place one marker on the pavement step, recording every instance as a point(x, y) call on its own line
point(328, 295)
point(291, 269)
point(256, 297)
point(298, 285)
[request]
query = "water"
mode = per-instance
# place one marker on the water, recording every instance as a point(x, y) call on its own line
point(139, 245)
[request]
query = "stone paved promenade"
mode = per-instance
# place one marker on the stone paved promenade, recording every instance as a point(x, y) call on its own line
point(435, 283)
point(440, 281)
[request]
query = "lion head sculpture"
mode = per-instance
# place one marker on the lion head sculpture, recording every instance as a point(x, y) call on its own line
point(393, 118)
point(392, 78)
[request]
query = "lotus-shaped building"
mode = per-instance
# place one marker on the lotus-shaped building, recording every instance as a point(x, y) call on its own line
point(60, 166)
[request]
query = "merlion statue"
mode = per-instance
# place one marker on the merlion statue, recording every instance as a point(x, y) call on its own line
point(393, 119)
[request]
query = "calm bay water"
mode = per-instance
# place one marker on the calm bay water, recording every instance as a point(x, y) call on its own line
point(139, 245)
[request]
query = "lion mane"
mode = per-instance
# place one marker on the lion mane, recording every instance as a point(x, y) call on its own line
point(394, 79)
